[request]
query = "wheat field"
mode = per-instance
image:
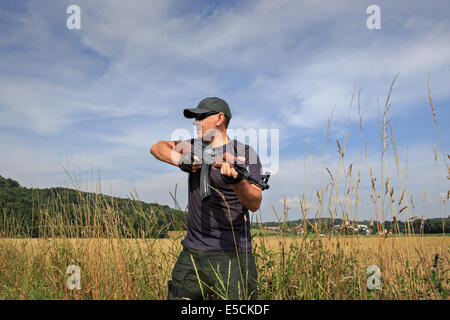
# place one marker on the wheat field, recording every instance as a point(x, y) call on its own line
point(288, 267)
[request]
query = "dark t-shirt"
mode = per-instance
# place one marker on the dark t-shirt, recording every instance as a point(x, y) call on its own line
point(210, 223)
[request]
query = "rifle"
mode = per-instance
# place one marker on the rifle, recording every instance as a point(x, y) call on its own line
point(216, 157)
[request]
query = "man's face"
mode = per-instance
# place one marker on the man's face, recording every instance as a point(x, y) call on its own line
point(207, 127)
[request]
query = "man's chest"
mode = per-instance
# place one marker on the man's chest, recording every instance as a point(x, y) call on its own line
point(215, 180)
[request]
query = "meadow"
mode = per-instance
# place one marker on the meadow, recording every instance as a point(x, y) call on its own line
point(315, 265)
point(288, 267)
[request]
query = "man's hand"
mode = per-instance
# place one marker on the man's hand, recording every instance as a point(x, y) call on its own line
point(189, 163)
point(249, 195)
point(229, 174)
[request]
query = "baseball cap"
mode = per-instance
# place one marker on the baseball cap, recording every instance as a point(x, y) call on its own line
point(208, 105)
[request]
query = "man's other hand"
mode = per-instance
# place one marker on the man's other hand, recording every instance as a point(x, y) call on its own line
point(229, 174)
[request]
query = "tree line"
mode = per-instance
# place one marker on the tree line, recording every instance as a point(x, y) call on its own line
point(326, 225)
point(33, 212)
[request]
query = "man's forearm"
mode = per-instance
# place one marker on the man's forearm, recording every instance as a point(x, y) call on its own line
point(163, 151)
point(249, 195)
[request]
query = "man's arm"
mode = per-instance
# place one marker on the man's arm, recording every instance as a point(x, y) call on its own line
point(249, 194)
point(164, 151)
point(167, 151)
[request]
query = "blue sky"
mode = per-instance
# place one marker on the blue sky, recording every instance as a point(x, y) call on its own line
point(98, 98)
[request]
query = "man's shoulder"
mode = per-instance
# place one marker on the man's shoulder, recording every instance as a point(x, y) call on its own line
point(242, 145)
point(247, 151)
point(191, 141)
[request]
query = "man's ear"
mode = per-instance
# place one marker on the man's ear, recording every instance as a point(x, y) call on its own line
point(220, 119)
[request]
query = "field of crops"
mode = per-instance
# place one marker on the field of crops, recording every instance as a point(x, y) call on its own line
point(288, 267)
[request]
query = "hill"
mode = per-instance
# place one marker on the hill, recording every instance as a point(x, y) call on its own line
point(62, 211)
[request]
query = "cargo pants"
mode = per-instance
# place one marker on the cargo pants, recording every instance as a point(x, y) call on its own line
point(201, 275)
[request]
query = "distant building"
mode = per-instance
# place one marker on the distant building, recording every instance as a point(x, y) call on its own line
point(299, 230)
point(354, 228)
point(275, 229)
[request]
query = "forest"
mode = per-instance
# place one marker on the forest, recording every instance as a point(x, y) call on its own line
point(34, 212)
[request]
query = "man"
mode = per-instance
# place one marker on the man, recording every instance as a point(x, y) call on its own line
point(216, 258)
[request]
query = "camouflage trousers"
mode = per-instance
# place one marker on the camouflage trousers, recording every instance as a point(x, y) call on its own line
point(213, 275)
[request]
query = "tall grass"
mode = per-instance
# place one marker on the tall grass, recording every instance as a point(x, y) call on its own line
point(118, 261)
point(332, 266)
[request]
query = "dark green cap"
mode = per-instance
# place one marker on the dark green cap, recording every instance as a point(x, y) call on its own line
point(208, 105)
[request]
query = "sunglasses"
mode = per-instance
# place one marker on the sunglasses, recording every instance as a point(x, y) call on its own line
point(205, 115)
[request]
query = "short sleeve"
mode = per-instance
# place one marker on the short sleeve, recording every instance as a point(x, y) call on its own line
point(191, 141)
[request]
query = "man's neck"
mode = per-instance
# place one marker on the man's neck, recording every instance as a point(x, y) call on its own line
point(218, 142)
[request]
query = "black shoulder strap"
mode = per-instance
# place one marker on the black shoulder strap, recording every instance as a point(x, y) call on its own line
point(235, 143)
point(235, 146)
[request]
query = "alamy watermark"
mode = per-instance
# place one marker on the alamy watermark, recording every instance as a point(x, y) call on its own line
point(264, 142)
point(374, 20)
point(74, 280)
point(374, 279)
point(74, 20)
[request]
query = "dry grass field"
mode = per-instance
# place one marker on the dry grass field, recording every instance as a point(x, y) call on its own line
point(288, 267)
